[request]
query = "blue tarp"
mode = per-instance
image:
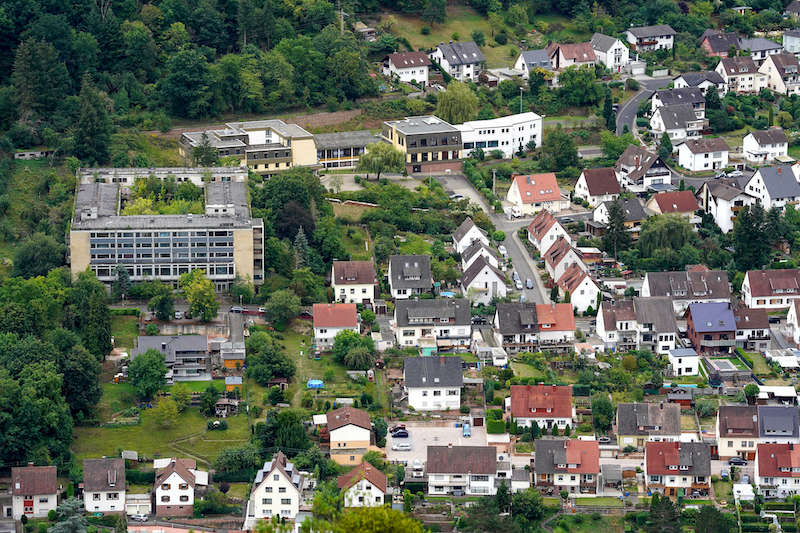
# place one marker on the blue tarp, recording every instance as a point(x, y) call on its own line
point(314, 384)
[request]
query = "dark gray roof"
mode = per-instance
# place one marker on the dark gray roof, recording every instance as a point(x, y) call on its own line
point(689, 285)
point(602, 42)
point(476, 460)
point(476, 247)
point(612, 473)
point(476, 268)
point(758, 44)
point(683, 352)
point(410, 272)
point(421, 312)
point(549, 453)
point(792, 33)
point(722, 190)
point(169, 345)
point(537, 58)
point(779, 181)
point(651, 31)
point(345, 139)
point(721, 41)
point(697, 456)
point(738, 66)
point(516, 317)
point(693, 79)
point(633, 416)
point(465, 53)
point(793, 7)
point(632, 208)
point(657, 311)
point(684, 95)
point(777, 421)
point(227, 193)
point(99, 196)
point(770, 136)
point(463, 228)
point(103, 474)
point(432, 372)
point(676, 116)
point(712, 317)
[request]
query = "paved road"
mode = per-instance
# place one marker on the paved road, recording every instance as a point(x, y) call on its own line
point(626, 115)
point(590, 152)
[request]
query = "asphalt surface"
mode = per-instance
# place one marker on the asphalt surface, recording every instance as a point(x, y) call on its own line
point(626, 115)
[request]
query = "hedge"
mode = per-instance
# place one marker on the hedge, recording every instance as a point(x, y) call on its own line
point(789, 527)
point(581, 390)
point(779, 506)
point(495, 426)
point(494, 414)
point(750, 517)
point(746, 528)
point(108, 520)
point(125, 311)
point(239, 476)
point(744, 357)
point(140, 477)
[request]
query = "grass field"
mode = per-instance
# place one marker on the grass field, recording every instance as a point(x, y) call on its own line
point(526, 371)
point(586, 524)
point(688, 423)
point(353, 212)
point(124, 329)
point(723, 490)
point(602, 501)
point(760, 366)
point(116, 397)
point(201, 386)
point(414, 244)
point(354, 241)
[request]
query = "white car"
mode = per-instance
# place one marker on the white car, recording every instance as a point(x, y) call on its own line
point(401, 446)
point(518, 285)
point(139, 518)
point(502, 250)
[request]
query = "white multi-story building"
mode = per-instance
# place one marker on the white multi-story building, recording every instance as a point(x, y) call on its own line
point(649, 38)
point(195, 175)
point(567, 464)
point(782, 72)
point(544, 230)
point(475, 251)
point(433, 383)
point(277, 491)
point(463, 61)
point(175, 484)
point(353, 281)
point(561, 256)
point(363, 486)
point(466, 234)
point(511, 133)
point(104, 485)
point(741, 74)
point(704, 153)
point(409, 275)
point(684, 361)
point(349, 430)
point(34, 491)
point(679, 121)
point(531, 193)
point(580, 287)
point(409, 66)
point(462, 470)
point(330, 320)
point(723, 201)
point(440, 323)
point(765, 146)
point(598, 185)
point(482, 282)
point(638, 324)
point(610, 52)
point(776, 470)
point(544, 405)
point(737, 431)
point(771, 289)
point(774, 186)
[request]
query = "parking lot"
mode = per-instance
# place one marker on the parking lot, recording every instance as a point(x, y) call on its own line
point(424, 434)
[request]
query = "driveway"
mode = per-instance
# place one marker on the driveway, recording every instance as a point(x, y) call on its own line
point(626, 115)
point(458, 183)
point(422, 434)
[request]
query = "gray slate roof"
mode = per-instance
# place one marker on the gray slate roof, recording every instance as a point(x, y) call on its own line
point(602, 42)
point(432, 372)
point(676, 116)
point(779, 181)
point(516, 317)
point(404, 267)
point(474, 248)
point(657, 311)
point(103, 474)
point(632, 416)
point(684, 95)
point(463, 228)
point(465, 53)
point(432, 311)
point(651, 31)
point(697, 456)
point(758, 44)
point(777, 421)
point(537, 58)
point(632, 208)
point(712, 317)
point(770, 136)
point(476, 268)
point(693, 79)
point(169, 345)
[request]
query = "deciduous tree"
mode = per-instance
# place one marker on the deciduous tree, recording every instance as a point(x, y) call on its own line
point(37, 255)
point(379, 158)
point(199, 293)
point(457, 104)
point(147, 373)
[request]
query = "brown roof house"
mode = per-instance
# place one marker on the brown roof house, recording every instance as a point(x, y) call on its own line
point(781, 71)
point(752, 328)
point(598, 185)
point(639, 169)
point(461, 470)
point(34, 491)
point(330, 319)
point(349, 429)
point(703, 154)
point(104, 485)
point(688, 286)
point(771, 289)
point(353, 282)
point(638, 423)
point(175, 486)
point(737, 431)
point(363, 486)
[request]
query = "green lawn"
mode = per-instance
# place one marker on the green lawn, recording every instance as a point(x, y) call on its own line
point(602, 501)
point(200, 386)
point(124, 329)
point(116, 397)
point(238, 490)
point(354, 242)
point(581, 523)
point(760, 365)
point(723, 490)
point(526, 371)
point(524, 447)
point(414, 245)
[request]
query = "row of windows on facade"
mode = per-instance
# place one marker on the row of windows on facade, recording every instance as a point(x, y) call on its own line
point(150, 245)
point(433, 156)
point(266, 166)
point(178, 179)
point(109, 496)
point(439, 393)
point(340, 152)
point(442, 141)
point(162, 255)
point(218, 270)
point(183, 498)
point(158, 234)
point(284, 501)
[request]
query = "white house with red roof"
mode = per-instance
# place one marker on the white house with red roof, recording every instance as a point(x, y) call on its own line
point(556, 323)
point(582, 290)
point(330, 319)
point(672, 468)
point(598, 185)
point(34, 491)
point(531, 193)
point(567, 464)
point(771, 289)
point(174, 487)
point(543, 405)
point(561, 256)
point(544, 230)
point(409, 66)
point(363, 486)
point(777, 470)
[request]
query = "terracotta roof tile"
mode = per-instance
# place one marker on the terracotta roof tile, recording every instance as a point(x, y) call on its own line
point(695, 457)
point(348, 415)
point(774, 457)
point(541, 224)
point(676, 202)
point(557, 317)
point(534, 188)
point(335, 316)
point(769, 282)
point(363, 471)
point(533, 401)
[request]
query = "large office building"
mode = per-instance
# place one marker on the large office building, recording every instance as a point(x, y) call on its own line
point(428, 143)
point(223, 241)
point(195, 175)
point(511, 133)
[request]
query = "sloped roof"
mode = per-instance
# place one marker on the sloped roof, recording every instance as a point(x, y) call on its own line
point(466, 53)
point(475, 460)
point(758, 44)
point(684, 95)
point(516, 317)
point(534, 188)
point(433, 372)
point(779, 181)
point(541, 401)
point(689, 285)
point(476, 268)
point(777, 421)
point(712, 317)
point(651, 31)
point(334, 315)
point(705, 145)
point(693, 79)
point(464, 228)
point(785, 64)
point(633, 210)
point(693, 457)
point(348, 415)
point(409, 59)
point(103, 474)
point(637, 158)
point(354, 273)
point(738, 66)
point(793, 7)
point(177, 466)
point(537, 58)
point(34, 480)
point(769, 282)
point(557, 252)
point(748, 318)
point(584, 454)
point(725, 191)
point(404, 268)
point(541, 224)
point(602, 42)
point(363, 471)
point(579, 52)
point(658, 311)
point(557, 317)
point(676, 116)
point(280, 463)
point(721, 41)
point(771, 136)
point(652, 418)
point(474, 248)
point(773, 458)
point(456, 311)
point(737, 421)
point(676, 202)
point(572, 278)
point(601, 181)
point(617, 311)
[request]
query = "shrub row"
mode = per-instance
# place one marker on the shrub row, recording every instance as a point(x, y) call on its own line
point(495, 426)
point(125, 311)
point(239, 476)
point(780, 506)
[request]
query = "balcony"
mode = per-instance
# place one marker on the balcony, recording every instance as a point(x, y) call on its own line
point(721, 343)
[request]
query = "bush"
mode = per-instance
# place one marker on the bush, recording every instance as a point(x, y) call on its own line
point(631, 84)
point(126, 311)
point(501, 38)
point(52, 515)
point(140, 477)
point(464, 410)
point(425, 30)
point(494, 414)
point(495, 427)
point(499, 236)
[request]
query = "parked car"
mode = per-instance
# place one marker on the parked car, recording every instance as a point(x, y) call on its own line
point(237, 309)
point(397, 427)
point(467, 432)
point(480, 320)
point(724, 474)
point(456, 196)
point(262, 310)
point(515, 275)
point(503, 251)
point(737, 461)
point(529, 283)
point(400, 434)
point(178, 315)
point(774, 320)
point(401, 446)
point(735, 174)
point(518, 285)
point(139, 517)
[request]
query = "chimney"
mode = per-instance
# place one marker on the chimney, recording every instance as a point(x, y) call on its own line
point(163, 345)
point(779, 170)
point(30, 463)
point(449, 445)
point(554, 387)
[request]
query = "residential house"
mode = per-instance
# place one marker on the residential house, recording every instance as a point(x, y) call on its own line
point(640, 168)
point(463, 61)
point(711, 327)
point(718, 43)
point(777, 470)
point(771, 289)
point(461, 470)
point(676, 468)
point(776, 395)
point(703, 80)
point(640, 423)
point(688, 95)
point(781, 72)
point(232, 354)
point(474, 251)
point(409, 66)
point(34, 491)
point(777, 424)
point(544, 405)
point(186, 356)
point(688, 286)
point(529, 60)
point(791, 41)
point(571, 55)
point(520, 480)
point(741, 74)
point(363, 486)
point(752, 328)
point(632, 209)
point(466, 234)
point(793, 320)
point(349, 429)
point(104, 485)
point(760, 48)
point(433, 383)
point(610, 51)
point(428, 143)
point(764, 146)
point(616, 325)
point(737, 431)
point(482, 283)
point(544, 230)
point(675, 203)
point(556, 326)
point(409, 275)
point(441, 324)
point(578, 288)
point(515, 327)
point(655, 324)
point(679, 122)
point(774, 186)
point(684, 362)
point(723, 200)
point(567, 464)
point(559, 257)
point(277, 491)
point(597, 185)
point(175, 485)
point(531, 193)
point(353, 282)
point(649, 38)
point(330, 320)
point(705, 153)
point(792, 10)
point(510, 134)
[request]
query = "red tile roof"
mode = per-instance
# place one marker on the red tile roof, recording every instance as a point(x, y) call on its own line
point(409, 59)
point(585, 454)
point(34, 480)
point(747, 318)
point(335, 316)
point(601, 181)
point(558, 317)
point(535, 188)
point(354, 273)
point(773, 457)
point(676, 202)
point(768, 282)
point(180, 467)
point(541, 224)
point(533, 401)
point(572, 278)
point(363, 471)
point(557, 252)
point(580, 52)
point(660, 456)
point(348, 415)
